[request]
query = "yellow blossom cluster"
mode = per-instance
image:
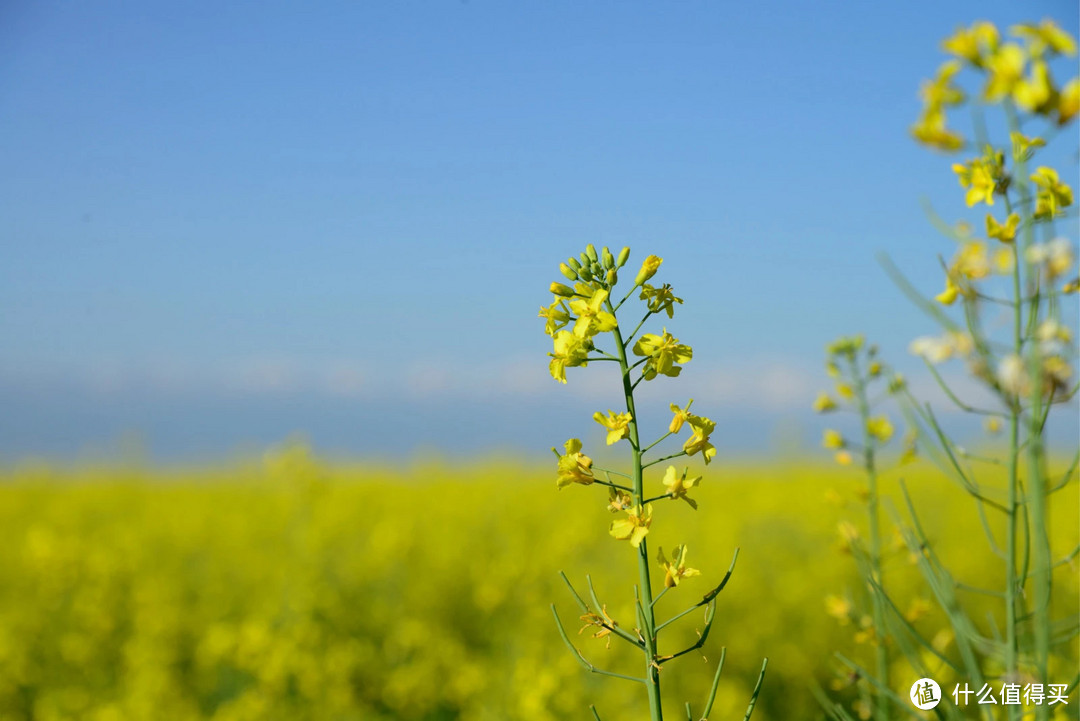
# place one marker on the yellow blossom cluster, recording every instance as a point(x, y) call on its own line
point(1014, 70)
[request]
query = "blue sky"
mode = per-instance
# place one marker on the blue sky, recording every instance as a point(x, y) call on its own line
point(225, 223)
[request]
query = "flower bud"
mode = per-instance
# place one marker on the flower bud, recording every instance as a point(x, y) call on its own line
point(585, 274)
point(607, 258)
point(585, 260)
point(597, 271)
point(563, 290)
point(624, 255)
point(612, 277)
point(648, 269)
point(574, 263)
point(590, 250)
point(567, 271)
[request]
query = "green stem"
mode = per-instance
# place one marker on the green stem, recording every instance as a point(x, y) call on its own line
point(652, 668)
point(881, 653)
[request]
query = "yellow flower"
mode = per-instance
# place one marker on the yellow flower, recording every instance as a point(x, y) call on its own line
point(590, 318)
point(845, 391)
point(931, 131)
point(1069, 101)
point(1072, 286)
point(949, 295)
point(678, 485)
point(617, 424)
point(682, 415)
point(843, 458)
point(874, 369)
point(1045, 36)
point(648, 269)
point(879, 428)
point(634, 527)
point(940, 91)
point(1023, 147)
point(1005, 233)
point(676, 569)
point(1035, 92)
point(972, 43)
point(660, 299)
point(846, 345)
point(699, 441)
point(972, 261)
point(663, 353)
point(824, 403)
point(570, 351)
point(839, 608)
point(832, 439)
point(574, 466)
point(556, 315)
point(980, 176)
point(1053, 195)
point(992, 425)
point(1006, 68)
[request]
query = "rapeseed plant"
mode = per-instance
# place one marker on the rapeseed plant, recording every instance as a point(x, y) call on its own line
point(589, 309)
point(1024, 371)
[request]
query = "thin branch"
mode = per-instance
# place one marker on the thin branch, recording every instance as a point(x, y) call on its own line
point(588, 666)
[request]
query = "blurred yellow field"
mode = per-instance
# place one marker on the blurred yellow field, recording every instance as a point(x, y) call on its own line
point(292, 589)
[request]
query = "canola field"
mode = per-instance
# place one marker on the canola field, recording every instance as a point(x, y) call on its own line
point(292, 589)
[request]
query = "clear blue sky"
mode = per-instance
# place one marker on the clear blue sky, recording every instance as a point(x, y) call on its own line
point(224, 222)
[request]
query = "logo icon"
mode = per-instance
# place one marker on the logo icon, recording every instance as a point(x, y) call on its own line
point(925, 694)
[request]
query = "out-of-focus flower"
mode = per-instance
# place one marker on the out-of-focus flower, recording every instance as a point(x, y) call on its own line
point(1056, 256)
point(839, 608)
point(833, 439)
point(879, 428)
point(1053, 195)
point(1005, 67)
point(1012, 375)
point(824, 403)
point(1006, 232)
point(974, 43)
